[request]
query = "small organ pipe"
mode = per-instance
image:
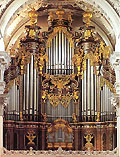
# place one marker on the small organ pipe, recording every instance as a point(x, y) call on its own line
point(14, 96)
point(83, 97)
point(54, 56)
point(104, 101)
point(87, 88)
point(95, 84)
point(59, 51)
point(35, 81)
point(37, 96)
point(24, 93)
point(65, 54)
point(18, 101)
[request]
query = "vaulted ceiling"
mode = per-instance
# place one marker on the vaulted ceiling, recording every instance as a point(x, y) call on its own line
point(14, 17)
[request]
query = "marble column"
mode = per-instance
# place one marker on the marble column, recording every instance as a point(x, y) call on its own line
point(4, 61)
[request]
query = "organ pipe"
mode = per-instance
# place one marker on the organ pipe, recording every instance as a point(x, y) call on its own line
point(21, 97)
point(92, 92)
point(31, 85)
point(98, 93)
point(88, 89)
point(24, 91)
point(27, 90)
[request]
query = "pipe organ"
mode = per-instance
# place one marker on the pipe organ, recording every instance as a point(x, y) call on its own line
point(59, 86)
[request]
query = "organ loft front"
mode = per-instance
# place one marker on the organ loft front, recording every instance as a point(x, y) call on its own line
point(58, 86)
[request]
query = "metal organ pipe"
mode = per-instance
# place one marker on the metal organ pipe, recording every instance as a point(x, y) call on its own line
point(57, 61)
point(24, 93)
point(31, 85)
point(65, 54)
point(92, 92)
point(95, 93)
point(16, 99)
point(103, 102)
point(35, 92)
point(14, 96)
point(88, 90)
point(51, 56)
point(54, 56)
point(85, 93)
point(27, 90)
point(82, 98)
point(59, 52)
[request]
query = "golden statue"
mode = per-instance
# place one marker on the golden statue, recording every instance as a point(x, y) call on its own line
point(98, 117)
point(33, 14)
point(74, 118)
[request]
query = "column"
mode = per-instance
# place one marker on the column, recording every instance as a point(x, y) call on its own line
point(76, 139)
point(4, 60)
point(43, 138)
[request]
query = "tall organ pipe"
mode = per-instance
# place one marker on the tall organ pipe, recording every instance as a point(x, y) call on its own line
point(21, 97)
point(27, 90)
point(92, 92)
point(31, 86)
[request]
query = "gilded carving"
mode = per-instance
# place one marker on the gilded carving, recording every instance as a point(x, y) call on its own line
point(98, 117)
point(88, 145)
point(44, 117)
point(74, 118)
point(31, 136)
point(59, 92)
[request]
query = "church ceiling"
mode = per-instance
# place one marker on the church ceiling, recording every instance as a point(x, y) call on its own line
point(13, 26)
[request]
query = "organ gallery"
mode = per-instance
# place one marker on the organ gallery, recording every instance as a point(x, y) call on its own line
point(59, 84)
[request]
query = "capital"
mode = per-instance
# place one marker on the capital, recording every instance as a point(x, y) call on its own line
point(115, 60)
point(4, 59)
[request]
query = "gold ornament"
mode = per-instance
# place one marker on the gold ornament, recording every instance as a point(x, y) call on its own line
point(33, 16)
point(31, 136)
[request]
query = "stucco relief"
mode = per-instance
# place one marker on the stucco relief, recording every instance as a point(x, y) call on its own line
point(3, 5)
point(115, 4)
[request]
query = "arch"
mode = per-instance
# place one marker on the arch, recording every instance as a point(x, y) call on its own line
point(103, 11)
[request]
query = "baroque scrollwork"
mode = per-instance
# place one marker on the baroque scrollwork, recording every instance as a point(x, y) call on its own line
point(59, 91)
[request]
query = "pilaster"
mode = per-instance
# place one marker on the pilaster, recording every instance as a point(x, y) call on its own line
point(4, 62)
point(115, 61)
